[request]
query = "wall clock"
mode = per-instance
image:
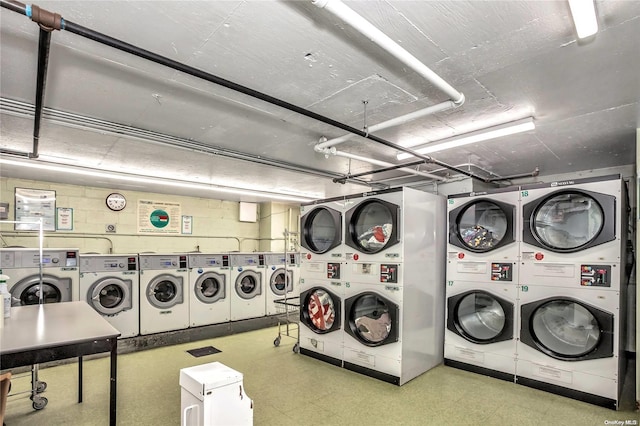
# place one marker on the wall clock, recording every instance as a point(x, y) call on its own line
point(116, 201)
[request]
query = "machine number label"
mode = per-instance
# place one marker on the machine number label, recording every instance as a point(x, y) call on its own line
point(524, 193)
point(524, 288)
point(347, 285)
point(450, 283)
point(450, 201)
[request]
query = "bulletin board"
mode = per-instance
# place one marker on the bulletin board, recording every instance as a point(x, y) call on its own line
point(33, 205)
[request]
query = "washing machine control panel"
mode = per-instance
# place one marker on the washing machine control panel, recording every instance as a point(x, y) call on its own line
point(595, 275)
point(388, 273)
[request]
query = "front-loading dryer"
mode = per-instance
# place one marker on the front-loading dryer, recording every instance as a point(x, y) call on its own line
point(321, 230)
point(164, 298)
point(278, 281)
point(248, 298)
point(110, 284)
point(209, 284)
point(55, 279)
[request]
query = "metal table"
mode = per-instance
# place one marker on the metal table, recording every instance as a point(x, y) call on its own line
point(42, 333)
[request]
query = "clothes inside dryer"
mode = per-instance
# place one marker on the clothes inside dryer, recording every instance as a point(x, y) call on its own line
point(372, 319)
point(372, 226)
point(320, 310)
point(482, 225)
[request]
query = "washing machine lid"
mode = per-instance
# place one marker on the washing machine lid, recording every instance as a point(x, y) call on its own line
point(567, 329)
point(281, 279)
point(210, 287)
point(248, 284)
point(372, 319)
point(482, 225)
point(111, 295)
point(54, 289)
point(321, 229)
point(320, 310)
point(372, 226)
point(569, 220)
point(165, 291)
point(480, 317)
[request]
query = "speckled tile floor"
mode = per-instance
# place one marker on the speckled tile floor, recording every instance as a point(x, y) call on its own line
point(291, 389)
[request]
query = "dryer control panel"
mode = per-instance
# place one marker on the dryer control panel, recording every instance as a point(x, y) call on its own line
point(595, 275)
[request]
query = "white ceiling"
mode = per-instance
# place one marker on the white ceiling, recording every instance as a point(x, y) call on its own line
point(511, 59)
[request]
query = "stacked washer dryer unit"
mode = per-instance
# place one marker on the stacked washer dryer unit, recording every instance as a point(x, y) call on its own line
point(279, 280)
point(321, 280)
point(56, 278)
point(572, 290)
point(482, 280)
point(110, 283)
point(164, 294)
point(248, 298)
point(394, 284)
point(209, 285)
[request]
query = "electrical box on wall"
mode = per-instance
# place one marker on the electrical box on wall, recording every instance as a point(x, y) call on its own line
point(4, 211)
point(248, 212)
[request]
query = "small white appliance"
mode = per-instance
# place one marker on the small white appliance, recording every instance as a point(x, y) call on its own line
point(164, 298)
point(278, 280)
point(110, 284)
point(213, 394)
point(321, 230)
point(293, 265)
point(209, 284)
point(56, 279)
point(248, 298)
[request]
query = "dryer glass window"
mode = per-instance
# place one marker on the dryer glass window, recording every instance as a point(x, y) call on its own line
point(111, 296)
point(482, 225)
point(372, 226)
point(371, 318)
point(165, 291)
point(480, 316)
point(210, 287)
point(248, 284)
point(565, 328)
point(31, 295)
point(321, 310)
point(568, 220)
point(321, 231)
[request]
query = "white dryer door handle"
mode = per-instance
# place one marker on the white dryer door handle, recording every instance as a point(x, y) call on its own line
point(186, 411)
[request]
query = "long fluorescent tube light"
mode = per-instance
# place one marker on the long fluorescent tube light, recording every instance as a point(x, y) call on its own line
point(477, 136)
point(127, 177)
point(584, 17)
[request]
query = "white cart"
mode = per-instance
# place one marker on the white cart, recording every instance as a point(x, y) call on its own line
point(213, 394)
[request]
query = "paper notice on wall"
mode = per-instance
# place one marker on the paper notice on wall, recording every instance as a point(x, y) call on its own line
point(159, 217)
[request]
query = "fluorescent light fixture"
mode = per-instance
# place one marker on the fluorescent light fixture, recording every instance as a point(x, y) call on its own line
point(494, 132)
point(130, 177)
point(584, 17)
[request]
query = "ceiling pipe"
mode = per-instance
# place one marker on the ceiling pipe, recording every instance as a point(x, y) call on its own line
point(178, 66)
point(373, 172)
point(44, 44)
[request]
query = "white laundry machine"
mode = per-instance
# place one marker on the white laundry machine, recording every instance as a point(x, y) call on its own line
point(110, 283)
point(164, 296)
point(571, 343)
point(209, 284)
point(483, 243)
point(481, 331)
point(321, 230)
point(248, 298)
point(278, 280)
point(321, 313)
point(56, 278)
point(293, 264)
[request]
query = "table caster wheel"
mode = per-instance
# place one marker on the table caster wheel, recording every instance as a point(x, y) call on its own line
point(39, 402)
point(296, 348)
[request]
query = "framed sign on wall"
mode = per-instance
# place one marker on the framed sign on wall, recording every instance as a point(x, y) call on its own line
point(33, 205)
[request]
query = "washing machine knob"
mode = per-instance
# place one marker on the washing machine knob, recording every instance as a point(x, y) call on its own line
point(239, 268)
point(120, 265)
point(55, 260)
point(200, 270)
point(273, 268)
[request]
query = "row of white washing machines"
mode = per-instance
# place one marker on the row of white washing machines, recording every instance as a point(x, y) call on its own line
point(152, 293)
point(536, 283)
point(371, 282)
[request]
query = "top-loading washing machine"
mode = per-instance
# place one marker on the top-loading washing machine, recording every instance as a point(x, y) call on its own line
point(209, 284)
point(321, 230)
point(248, 298)
point(164, 297)
point(55, 279)
point(110, 284)
point(278, 281)
point(483, 244)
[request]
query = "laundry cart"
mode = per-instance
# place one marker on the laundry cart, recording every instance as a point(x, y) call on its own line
point(288, 311)
point(213, 394)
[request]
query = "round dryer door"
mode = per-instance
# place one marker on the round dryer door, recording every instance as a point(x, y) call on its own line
point(248, 284)
point(480, 317)
point(372, 226)
point(372, 319)
point(281, 279)
point(320, 310)
point(110, 296)
point(52, 289)
point(482, 225)
point(570, 221)
point(210, 287)
point(567, 329)
point(321, 230)
point(165, 291)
